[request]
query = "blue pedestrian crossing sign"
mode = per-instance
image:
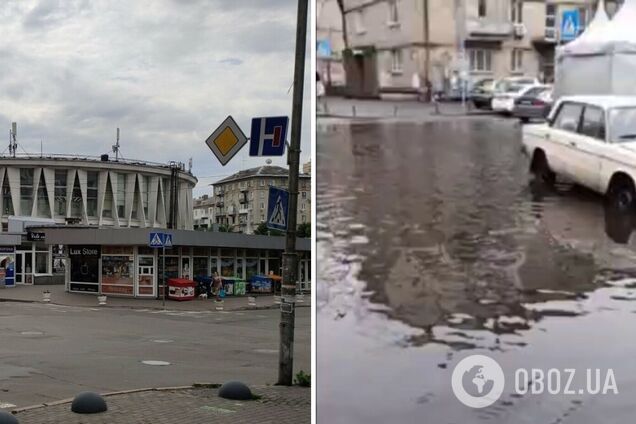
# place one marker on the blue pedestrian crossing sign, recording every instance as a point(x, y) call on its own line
point(268, 136)
point(570, 24)
point(277, 209)
point(160, 240)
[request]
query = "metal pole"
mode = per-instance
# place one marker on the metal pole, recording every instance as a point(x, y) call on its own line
point(163, 277)
point(290, 258)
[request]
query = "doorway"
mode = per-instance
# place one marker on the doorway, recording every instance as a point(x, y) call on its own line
point(23, 268)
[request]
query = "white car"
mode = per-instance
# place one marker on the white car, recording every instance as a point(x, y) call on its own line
point(504, 98)
point(590, 140)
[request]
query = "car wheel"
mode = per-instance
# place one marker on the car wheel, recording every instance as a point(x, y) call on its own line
point(525, 119)
point(622, 196)
point(541, 169)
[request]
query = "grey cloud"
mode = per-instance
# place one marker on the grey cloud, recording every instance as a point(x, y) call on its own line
point(231, 61)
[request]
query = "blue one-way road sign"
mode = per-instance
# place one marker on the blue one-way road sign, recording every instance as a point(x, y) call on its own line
point(160, 240)
point(268, 136)
point(277, 209)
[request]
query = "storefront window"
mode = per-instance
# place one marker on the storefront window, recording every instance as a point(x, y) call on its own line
point(41, 262)
point(200, 266)
point(251, 268)
point(44, 208)
point(185, 268)
point(26, 190)
point(214, 266)
point(227, 267)
point(84, 268)
point(171, 269)
point(274, 266)
point(59, 264)
point(117, 275)
point(239, 267)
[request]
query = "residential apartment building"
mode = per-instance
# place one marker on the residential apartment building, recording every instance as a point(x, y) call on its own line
point(450, 41)
point(241, 199)
point(329, 44)
point(203, 211)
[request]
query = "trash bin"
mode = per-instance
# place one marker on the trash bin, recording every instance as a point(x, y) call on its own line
point(204, 285)
point(228, 285)
point(260, 284)
point(181, 289)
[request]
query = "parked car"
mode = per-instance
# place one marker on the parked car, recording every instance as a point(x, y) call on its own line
point(590, 140)
point(505, 95)
point(535, 103)
point(481, 93)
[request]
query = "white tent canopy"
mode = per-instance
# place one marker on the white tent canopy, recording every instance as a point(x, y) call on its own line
point(603, 59)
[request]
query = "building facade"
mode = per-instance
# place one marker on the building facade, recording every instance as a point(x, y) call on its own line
point(329, 44)
point(90, 191)
point(447, 42)
point(204, 213)
point(241, 199)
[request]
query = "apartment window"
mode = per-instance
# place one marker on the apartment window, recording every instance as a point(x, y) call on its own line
point(92, 178)
point(302, 206)
point(262, 195)
point(396, 61)
point(262, 218)
point(359, 22)
point(76, 199)
point(262, 183)
point(60, 191)
point(481, 8)
point(516, 60)
point(26, 190)
point(480, 60)
point(304, 194)
point(550, 21)
point(516, 11)
point(393, 12)
point(303, 218)
point(262, 205)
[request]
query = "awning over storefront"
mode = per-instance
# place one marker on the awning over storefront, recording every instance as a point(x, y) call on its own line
point(68, 235)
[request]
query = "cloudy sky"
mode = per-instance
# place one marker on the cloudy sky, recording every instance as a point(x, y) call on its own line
point(167, 72)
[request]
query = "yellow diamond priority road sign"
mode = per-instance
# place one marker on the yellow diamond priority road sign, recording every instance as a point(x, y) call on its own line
point(226, 140)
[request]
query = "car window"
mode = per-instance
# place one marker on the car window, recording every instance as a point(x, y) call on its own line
point(568, 117)
point(622, 123)
point(534, 91)
point(593, 123)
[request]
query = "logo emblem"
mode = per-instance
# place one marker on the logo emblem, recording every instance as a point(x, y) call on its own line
point(478, 381)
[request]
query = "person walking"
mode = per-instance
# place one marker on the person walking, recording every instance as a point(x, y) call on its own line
point(217, 284)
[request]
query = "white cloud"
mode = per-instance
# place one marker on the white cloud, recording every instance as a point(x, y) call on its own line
point(166, 72)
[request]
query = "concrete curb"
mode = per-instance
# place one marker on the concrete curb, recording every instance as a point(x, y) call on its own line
point(121, 392)
point(158, 308)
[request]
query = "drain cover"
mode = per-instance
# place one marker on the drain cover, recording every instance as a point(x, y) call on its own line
point(156, 363)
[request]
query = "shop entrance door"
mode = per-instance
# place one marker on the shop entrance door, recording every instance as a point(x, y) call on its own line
point(145, 286)
point(23, 271)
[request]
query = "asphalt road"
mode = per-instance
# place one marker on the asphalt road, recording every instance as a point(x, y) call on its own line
point(50, 352)
point(435, 243)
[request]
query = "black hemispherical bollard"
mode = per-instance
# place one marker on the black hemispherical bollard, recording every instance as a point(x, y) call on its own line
point(88, 403)
point(7, 418)
point(235, 390)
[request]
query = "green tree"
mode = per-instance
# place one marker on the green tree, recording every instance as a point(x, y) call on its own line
point(264, 231)
point(304, 230)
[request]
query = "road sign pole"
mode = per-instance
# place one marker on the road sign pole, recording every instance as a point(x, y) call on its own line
point(290, 258)
point(163, 277)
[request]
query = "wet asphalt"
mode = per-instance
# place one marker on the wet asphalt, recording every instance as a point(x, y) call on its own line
point(435, 243)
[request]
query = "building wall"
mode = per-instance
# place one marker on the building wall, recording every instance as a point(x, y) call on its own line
point(448, 23)
point(242, 205)
point(93, 193)
point(329, 27)
point(203, 212)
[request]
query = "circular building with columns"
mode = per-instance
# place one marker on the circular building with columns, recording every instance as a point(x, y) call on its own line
point(95, 192)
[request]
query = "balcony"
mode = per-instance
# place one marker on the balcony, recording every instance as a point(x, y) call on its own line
point(244, 211)
point(243, 200)
point(488, 29)
point(219, 203)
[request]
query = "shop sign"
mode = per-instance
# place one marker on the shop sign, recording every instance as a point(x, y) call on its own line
point(92, 251)
point(35, 236)
point(7, 249)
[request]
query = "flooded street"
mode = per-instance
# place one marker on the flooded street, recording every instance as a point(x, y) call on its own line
point(435, 243)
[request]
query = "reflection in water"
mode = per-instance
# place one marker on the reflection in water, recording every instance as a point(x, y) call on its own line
point(437, 228)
